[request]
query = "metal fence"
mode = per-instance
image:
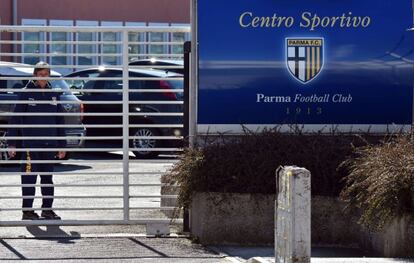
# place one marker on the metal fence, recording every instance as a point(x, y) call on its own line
point(110, 113)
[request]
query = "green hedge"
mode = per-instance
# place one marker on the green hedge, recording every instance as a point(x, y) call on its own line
point(247, 164)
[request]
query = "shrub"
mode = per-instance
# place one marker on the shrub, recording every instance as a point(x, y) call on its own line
point(381, 181)
point(247, 164)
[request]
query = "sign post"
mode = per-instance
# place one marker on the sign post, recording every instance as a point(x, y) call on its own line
point(293, 216)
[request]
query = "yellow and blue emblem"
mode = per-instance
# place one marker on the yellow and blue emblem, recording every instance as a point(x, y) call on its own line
point(304, 57)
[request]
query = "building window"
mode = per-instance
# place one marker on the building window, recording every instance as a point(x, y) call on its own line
point(33, 48)
point(111, 48)
point(177, 48)
point(159, 37)
point(179, 37)
point(61, 48)
point(136, 49)
point(86, 48)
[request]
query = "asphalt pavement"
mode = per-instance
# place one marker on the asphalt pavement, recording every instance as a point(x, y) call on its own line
point(120, 243)
point(83, 169)
point(122, 249)
point(144, 249)
point(96, 243)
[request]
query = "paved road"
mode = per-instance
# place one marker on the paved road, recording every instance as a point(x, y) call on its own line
point(114, 243)
point(106, 250)
point(138, 249)
point(106, 172)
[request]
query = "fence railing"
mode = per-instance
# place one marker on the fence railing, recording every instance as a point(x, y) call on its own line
point(133, 107)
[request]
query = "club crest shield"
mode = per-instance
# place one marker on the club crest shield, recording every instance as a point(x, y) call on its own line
point(304, 58)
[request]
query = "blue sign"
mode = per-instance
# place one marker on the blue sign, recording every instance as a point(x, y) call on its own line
point(312, 62)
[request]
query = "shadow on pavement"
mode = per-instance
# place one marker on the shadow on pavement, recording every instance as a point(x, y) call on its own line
point(171, 250)
point(58, 168)
point(71, 167)
point(12, 250)
point(268, 252)
point(161, 254)
point(332, 252)
point(53, 233)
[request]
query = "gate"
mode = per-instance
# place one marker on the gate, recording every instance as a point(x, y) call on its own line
point(118, 101)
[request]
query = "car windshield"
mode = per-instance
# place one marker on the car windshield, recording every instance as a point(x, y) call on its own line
point(62, 85)
point(59, 84)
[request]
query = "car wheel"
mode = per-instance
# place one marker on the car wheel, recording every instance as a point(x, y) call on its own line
point(138, 144)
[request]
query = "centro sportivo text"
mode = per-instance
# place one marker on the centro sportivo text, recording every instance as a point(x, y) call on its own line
point(308, 20)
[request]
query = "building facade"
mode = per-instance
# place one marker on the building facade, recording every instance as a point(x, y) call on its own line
point(68, 13)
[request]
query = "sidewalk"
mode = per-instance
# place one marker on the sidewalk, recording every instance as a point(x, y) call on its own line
point(125, 244)
point(145, 250)
point(319, 255)
point(107, 249)
point(118, 243)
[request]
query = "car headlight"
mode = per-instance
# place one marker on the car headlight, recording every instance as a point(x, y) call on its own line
point(177, 133)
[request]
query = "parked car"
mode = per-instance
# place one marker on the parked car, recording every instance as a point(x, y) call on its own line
point(159, 62)
point(137, 105)
point(8, 69)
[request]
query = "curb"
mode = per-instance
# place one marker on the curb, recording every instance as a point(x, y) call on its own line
point(258, 260)
point(234, 259)
point(225, 256)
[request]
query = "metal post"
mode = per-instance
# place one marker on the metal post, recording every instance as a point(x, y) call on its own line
point(293, 215)
point(412, 117)
point(193, 75)
point(125, 121)
point(15, 21)
point(187, 53)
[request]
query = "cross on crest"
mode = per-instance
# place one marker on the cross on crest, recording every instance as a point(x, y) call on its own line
point(304, 57)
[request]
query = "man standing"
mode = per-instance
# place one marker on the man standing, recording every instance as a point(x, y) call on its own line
point(44, 101)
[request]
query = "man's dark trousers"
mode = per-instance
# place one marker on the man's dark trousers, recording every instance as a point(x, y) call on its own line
point(46, 170)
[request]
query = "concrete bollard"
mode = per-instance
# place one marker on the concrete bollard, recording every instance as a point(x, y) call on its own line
point(293, 215)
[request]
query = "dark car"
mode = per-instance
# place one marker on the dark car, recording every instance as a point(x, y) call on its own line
point(140, 103)
point(175, 66)
point(8, 69)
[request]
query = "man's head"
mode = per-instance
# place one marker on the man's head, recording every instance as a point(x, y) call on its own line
point(41, 70)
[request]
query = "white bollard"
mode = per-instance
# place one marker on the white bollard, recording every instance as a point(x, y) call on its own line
point(293, 215)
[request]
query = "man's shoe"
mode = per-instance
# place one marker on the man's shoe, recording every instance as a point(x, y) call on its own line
point(50, 215)
point(30, 215)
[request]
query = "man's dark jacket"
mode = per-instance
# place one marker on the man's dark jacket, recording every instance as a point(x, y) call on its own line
point(50, 108)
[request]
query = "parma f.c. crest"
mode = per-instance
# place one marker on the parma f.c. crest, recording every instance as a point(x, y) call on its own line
point(304, 57)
